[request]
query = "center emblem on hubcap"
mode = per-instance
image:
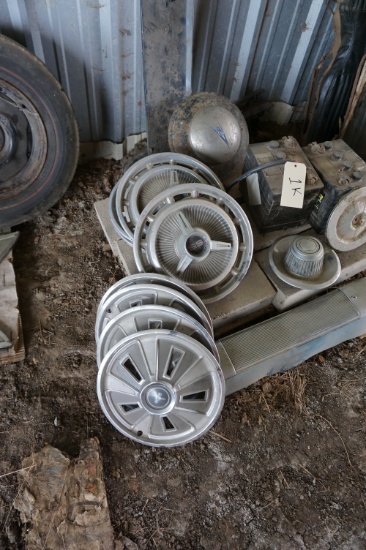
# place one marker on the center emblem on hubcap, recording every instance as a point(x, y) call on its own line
point(158, 397)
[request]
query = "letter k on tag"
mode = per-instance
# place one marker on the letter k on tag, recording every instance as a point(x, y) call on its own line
point(293, 185)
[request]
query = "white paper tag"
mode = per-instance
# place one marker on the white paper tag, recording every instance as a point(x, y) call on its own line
point(293, 185)
point(254, 192)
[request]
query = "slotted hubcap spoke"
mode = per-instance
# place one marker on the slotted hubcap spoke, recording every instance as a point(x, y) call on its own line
point(184, 224)
point(184, 263)
point(196, 241)
point(198, 234)
point(172, 397)
point(218, 245)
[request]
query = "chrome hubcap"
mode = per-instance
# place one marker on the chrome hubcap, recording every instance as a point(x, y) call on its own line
point(160, 388)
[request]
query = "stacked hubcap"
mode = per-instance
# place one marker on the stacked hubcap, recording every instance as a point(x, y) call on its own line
point(148, 177)
point(174, 212)
point(159, 379)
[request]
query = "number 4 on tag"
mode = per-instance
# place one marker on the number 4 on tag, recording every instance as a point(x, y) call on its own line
point(293, 185)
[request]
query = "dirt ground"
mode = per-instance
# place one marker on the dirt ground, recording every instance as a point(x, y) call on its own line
point(283, 468)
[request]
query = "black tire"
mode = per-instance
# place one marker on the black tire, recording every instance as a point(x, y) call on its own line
point(39, 143)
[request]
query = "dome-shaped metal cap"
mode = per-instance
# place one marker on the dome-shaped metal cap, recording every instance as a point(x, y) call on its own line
point(214, 135)
point(296, 260)
point(304, 258)
point(210, 127)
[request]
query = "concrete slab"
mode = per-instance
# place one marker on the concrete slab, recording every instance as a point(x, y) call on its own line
point(101, 208)
point(261, 287)
point(352, 263)
point(253, 294)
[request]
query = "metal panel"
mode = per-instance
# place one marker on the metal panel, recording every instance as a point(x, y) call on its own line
point(241, 46)
point(93, 47)
point(270, 46)
point(284, 341)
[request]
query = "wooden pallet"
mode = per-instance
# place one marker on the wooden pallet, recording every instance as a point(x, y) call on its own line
point(260, 290)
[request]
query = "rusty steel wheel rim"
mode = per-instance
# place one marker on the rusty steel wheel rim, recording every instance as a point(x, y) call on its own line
point(21, 160)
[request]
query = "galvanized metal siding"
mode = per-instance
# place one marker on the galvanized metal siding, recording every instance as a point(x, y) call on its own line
point(267, 46)
point(241, 46)
point(93, 47)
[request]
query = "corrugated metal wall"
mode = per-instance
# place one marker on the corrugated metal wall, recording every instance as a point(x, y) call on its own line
point(94, 48)
point(241, 46)
point(270, 46)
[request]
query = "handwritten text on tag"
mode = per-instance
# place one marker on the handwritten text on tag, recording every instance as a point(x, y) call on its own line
point(293, 185)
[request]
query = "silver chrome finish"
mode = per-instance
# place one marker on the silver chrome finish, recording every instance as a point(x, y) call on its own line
point(178, 243)
point(154, 182)
point(147, 186)
point(212, 128)
point(346, 227)
point(160, 388)
point(191, 245)
point(149, 317)
point(143, 166)
point(304, 257)
point(139, 295)
point(112, 212)
point(157, 278)
point(214, 135)
point(328, 275)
